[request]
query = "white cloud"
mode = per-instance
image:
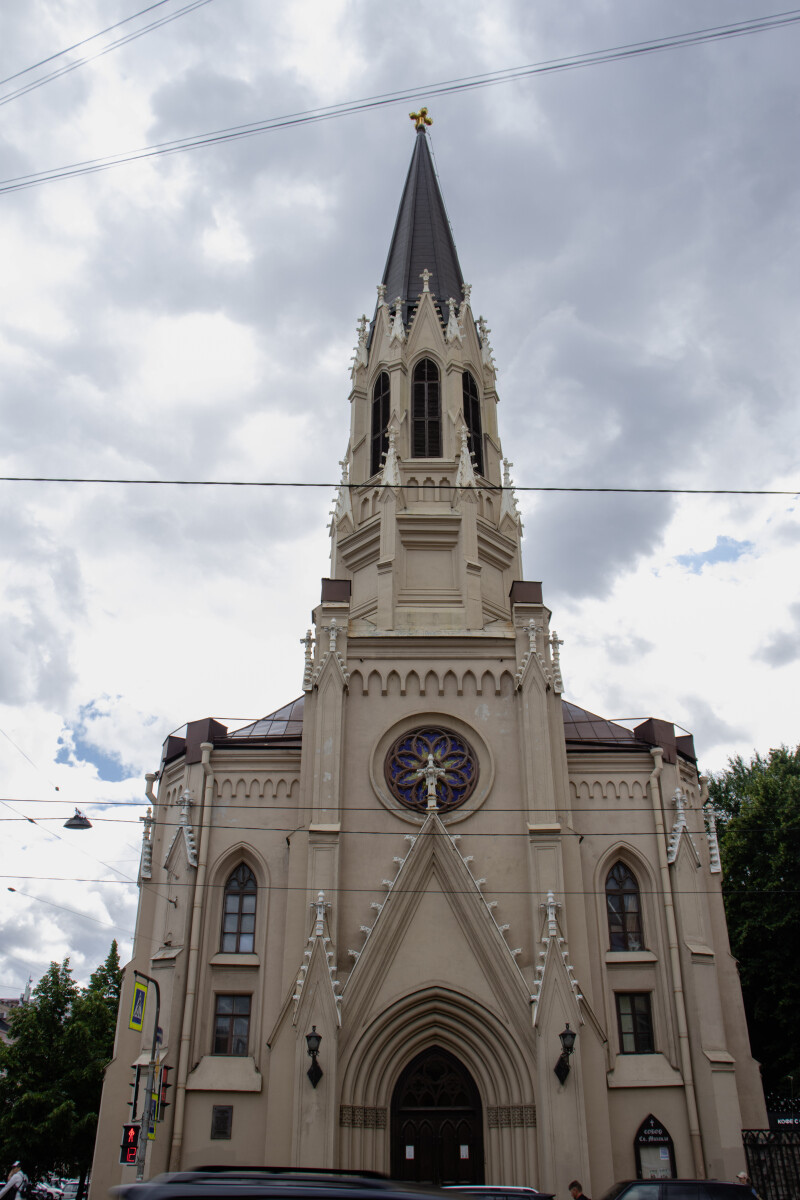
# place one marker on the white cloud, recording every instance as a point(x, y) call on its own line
point(629, 231)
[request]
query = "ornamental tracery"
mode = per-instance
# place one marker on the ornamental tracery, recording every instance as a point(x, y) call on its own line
point(407, 768)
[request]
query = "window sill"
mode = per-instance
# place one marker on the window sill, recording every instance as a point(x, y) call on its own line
point(235, 960)
point(224, 1073)
point(626, 957)
point(643, 1070)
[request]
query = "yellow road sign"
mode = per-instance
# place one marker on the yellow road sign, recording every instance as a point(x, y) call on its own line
point(137, 1008)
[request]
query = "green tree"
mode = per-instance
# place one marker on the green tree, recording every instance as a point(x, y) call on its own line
point(51, 1071)
point(759, 833)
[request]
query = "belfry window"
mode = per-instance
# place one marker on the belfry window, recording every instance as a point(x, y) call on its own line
point(239, 912)
point(635, 1022)
point(623, 908)
point(426, 420)
point(380, 422)
point(472, 419)
point(232, 1025)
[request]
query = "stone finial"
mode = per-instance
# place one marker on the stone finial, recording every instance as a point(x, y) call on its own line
point(467, 290)
point(714, 861)
point(361, 357)
point(487, 355)
point(465, 475)
point(555, 643)
point(147, 845)
point(398, 329)
point(679, 800)
point(343, 506)
point(390, 476)
point(552, 909)
point(381, 295)
point(508, 503)
point(454, 332)
point(426, 277)
point(319, 922)
point(308, 670)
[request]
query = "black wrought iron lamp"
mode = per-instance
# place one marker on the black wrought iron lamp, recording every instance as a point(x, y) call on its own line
point(313, 1040)
point(79, 821)
point(561, 1068)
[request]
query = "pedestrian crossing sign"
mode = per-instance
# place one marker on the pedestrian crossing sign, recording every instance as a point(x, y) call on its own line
point(137, 1008)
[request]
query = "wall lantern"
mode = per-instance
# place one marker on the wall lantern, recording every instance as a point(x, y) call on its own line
point(567, 1046)
point(313, 1040)
point(79, 821)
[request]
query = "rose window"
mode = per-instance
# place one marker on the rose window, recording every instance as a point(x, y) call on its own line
point(408, 769)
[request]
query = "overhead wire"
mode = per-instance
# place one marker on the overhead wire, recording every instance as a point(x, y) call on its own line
point(83, 42)
point(449, 87)
point(476, 487)
point(472, 833)
point(121, 41)
point(469, 891)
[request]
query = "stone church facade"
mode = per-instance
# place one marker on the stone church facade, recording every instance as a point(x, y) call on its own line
point(431, 859)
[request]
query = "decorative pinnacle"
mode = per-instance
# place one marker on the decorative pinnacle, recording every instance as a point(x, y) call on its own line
point(425, 277)
point(421, 119)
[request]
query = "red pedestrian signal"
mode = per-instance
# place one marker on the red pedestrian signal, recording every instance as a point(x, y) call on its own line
point(130, 1145)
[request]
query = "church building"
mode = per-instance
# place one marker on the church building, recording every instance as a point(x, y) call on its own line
point(431, 918)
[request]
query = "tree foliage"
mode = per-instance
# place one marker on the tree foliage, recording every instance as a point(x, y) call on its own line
point(51, 1070)
point(759, 833)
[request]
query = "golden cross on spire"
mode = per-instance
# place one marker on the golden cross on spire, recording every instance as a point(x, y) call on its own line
point(422, 119)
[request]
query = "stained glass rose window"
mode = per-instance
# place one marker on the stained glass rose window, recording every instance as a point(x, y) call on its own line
point(454, 760)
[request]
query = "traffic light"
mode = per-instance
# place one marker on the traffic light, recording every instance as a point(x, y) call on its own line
point(164, 1087)
point(133, 1102)
point(130, 1145)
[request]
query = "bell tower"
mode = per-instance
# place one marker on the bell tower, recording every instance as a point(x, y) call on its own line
point(428, 538)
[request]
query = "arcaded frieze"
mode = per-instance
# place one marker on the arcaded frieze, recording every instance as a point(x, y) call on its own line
point(405, 682)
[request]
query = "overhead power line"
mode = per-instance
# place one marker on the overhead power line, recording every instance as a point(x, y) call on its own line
point(469, 891)
point(449, 87)
point(477, 487)
point(23, 89)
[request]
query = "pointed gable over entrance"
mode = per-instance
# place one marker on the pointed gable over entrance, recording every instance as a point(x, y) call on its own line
point(422, 239)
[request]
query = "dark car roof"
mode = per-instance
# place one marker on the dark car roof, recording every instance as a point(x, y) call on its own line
point(253, 1182)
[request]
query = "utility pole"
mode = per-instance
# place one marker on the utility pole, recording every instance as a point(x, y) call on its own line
point(148, 1113)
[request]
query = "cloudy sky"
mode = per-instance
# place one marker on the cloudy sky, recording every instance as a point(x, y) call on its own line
point(630, 230)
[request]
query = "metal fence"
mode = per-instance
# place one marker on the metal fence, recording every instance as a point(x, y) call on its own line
point(773, 1162)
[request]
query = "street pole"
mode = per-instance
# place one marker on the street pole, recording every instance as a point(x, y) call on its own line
point(147, 1112)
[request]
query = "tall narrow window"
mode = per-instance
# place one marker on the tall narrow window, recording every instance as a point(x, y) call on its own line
point(635, 1023)
point(624, 912)
point(232, 1025)
point(380, 421)
point(472, 419)
point(239, 912)
point(426, 414)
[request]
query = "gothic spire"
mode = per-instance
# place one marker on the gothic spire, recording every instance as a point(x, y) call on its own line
point(422, 239)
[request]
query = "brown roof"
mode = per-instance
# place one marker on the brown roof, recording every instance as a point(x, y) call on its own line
point(584, 727)
point(580, 726)
point(285, 724)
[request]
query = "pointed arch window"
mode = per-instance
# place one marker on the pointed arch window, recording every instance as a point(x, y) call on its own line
point(472, 419)
point(239, 912)
point(426, 418)
point(624, 909)
point(380, 422)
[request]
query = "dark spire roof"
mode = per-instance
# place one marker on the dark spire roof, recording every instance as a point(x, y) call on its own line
point(422, 237)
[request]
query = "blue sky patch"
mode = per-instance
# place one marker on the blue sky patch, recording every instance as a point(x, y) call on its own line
point(725, 549)
point(79, 747)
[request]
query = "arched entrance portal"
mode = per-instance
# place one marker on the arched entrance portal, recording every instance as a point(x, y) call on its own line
point(437, 1122)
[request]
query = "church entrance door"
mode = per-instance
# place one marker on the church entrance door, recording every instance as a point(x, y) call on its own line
point(437, 1123)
